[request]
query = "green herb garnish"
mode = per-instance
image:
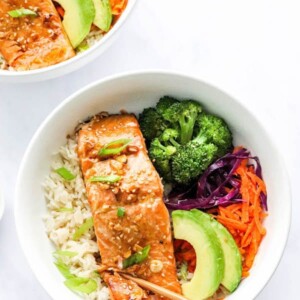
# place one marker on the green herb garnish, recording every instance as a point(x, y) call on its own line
point(184, 271)
point(77, 284)
point(109, 178)
point(65, 253)
point(112, 149)
point(22, 12)
point(121, 212)
point(64, 269)
point(82, 285)
point(65, 174)
point(83, 47)
point(85, 227)
point(136, 258)
point(66, 209)
point(96, 274)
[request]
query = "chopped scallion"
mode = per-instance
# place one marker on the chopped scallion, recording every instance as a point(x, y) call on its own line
point(83, 47)
point(82, 285)
point(136, 258)
point(121, 212)
point(64, 269)
point(112, 149)
point(76, 284)
point(88, 224)
point(22, 12)
point(96, 274)
point(65, 174)
point(108, 179)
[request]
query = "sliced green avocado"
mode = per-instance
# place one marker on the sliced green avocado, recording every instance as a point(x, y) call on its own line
point(78, 18)
point(209, 271)
point(103, 17)
point(232, 256)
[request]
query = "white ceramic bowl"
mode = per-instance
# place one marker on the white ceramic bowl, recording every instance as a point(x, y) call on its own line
point(133, 92)
point(1, 204)
point(72, 64)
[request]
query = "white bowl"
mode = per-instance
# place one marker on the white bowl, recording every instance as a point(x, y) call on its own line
point(133, 92)
point(72, 64)
point(1, 204)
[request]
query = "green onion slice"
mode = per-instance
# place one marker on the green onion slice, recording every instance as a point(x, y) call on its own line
point(65, 253)
point(121, 212)
point(64, 269)
point(22, 12)
point(66, 209)
point(136, 258)
point(109, 178)
point(112, 149)
point(82, 285)
point(184, 271)
point(85, 227)
point(83, 47)
point(96, 274)
point(65, 174)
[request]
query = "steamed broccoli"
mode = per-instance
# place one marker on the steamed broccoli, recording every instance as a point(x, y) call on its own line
point(191, 160)
point(212, 141)
point(183, 115)
point(183, 139)
point(161, 154)
point(216, 131)
point(170, 135)
point(152, 124)
point(164, 103)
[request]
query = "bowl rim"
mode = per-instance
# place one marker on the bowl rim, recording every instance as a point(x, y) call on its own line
point(78, 57)
point(157, 72)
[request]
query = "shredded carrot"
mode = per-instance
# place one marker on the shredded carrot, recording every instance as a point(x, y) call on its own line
point(244, 220)
point(184, 252)
point(118, 6)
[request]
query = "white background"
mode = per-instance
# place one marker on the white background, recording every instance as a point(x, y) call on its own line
point(249, 48)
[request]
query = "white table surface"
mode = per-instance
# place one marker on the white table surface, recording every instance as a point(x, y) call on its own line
point(249, 48)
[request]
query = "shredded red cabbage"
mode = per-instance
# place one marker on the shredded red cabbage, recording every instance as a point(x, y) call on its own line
point(212, 188)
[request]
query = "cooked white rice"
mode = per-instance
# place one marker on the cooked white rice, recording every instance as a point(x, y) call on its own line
point(60, 226)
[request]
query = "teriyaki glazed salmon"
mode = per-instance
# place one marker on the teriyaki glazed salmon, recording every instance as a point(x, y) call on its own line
point(125, 194)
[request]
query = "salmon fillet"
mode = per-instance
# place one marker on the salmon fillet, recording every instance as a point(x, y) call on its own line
point(33, 42)
point(140, 192)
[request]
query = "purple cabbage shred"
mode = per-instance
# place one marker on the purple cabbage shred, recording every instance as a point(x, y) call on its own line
point(212, 188)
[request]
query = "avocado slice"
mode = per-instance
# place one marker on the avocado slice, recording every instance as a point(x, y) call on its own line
point(103, 16)
point(78, 18)
point(232, 256)
point(209, 271)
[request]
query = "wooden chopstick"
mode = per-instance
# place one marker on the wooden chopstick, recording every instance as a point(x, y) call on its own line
point(154, 288)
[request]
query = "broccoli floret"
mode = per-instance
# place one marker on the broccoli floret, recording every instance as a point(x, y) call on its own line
point(164, 103)
point(152, 124)
point(183, 140)
point(170, 135)
point(160, 155)
point(214, 130)
point(183, 115)
point(212, 141)
point(191, 160)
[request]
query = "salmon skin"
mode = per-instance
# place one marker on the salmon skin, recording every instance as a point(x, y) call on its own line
point(32, 42)
point(140, 192)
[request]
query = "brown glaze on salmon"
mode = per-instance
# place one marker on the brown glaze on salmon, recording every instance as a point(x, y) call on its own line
point(146, 220)
point(32, 42)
